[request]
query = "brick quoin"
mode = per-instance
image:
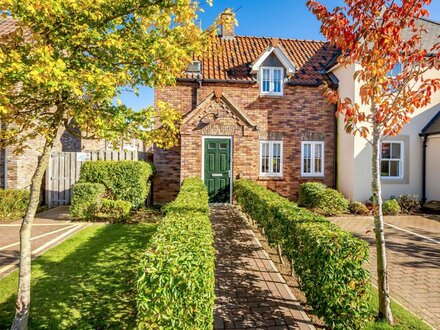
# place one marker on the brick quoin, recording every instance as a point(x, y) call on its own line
point(301, 114)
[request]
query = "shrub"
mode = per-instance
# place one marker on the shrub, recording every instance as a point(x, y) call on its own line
point(86, 199)
point(175, 287)
point(391, 207)
point(322, 200)
point(126, 180)
point(409, 203)
point(13, 203)
point(358, 208)
point(115, 211)
point(328, 260)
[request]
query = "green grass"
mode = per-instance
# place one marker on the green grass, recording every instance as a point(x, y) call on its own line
point(403, 318)
point(87, 282)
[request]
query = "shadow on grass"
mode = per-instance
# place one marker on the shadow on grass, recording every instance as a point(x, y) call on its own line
point(87, 286)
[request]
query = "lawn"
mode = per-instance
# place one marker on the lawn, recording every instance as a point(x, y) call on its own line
point(87, 282)
point(404, 320)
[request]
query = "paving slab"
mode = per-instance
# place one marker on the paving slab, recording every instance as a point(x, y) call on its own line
point(251, 293)
point(413, 255)
point(49, 229)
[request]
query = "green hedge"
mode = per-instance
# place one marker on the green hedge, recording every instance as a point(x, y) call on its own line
point(114, 211)
point(86, 199)
point(126, 180)
point(328, 260)
point(175, 287)
point(321, 199)
point(390, 207)
point(13, 203)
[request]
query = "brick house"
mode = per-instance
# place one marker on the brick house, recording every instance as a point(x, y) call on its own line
point(252, 110)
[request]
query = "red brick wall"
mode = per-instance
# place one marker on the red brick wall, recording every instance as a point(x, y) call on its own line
point(301, 114)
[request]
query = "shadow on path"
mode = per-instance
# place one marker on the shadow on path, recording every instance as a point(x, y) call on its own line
point(250, 292)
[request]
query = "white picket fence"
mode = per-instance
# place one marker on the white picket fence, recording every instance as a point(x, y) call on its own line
point(64, 169)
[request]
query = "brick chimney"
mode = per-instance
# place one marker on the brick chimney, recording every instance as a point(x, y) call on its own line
point(227, 24)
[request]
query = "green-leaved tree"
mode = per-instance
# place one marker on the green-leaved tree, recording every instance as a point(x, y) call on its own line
point(65, 61)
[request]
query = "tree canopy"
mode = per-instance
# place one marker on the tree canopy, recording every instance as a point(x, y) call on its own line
point(65, 61)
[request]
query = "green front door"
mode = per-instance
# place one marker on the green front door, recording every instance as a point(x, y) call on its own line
point(218, 169)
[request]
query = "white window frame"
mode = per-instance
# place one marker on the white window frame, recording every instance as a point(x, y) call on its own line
point(271, 173)
point(313, 173)
point(271, 80)
point(401, 160)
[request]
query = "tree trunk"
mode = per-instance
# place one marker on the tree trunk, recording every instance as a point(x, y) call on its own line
point(382, 269)
point(23, 295)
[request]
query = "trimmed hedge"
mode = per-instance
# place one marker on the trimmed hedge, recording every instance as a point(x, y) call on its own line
point(13, 203)
point(175, 287)
point(86, 199)
point(358, 208)
point(321, 199)
point(328, 260)
point(126, 180)
point(115, 211)
point(390, 207)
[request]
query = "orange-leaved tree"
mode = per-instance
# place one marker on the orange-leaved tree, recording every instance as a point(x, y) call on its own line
point(378, 35)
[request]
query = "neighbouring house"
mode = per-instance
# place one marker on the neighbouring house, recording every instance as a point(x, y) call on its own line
point(253, 109)
point(409, 161)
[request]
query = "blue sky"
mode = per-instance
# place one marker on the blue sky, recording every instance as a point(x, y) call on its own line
point(269, 18)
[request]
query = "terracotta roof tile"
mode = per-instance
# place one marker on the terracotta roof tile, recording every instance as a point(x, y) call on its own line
point(234, 59)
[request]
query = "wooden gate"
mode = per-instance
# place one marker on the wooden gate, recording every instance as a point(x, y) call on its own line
point(64, 169)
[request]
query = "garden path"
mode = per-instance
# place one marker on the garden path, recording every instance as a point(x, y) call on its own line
point(251, 292)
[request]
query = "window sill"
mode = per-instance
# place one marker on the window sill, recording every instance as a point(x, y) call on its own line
point(394, 181)
point(271, 96)
point(270, 178)
point(320, 176)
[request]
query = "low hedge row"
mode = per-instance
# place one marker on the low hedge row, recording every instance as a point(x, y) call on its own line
point(115, 211)
point(328, 260)
point(86, 199)
point(175, 287)
point(13, 203)
point(88, 203)
point(321, 199)
point(126, 180)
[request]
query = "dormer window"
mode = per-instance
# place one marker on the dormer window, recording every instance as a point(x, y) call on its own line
point(195, 67)
point(271, 80)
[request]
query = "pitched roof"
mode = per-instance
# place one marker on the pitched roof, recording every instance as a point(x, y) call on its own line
point(234, 60)
point(7, 25)
point(433, 127)
point(430, 38)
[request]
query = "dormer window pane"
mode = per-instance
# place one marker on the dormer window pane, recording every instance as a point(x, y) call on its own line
point(266, 81)
point(271, 81)
point(277, 78)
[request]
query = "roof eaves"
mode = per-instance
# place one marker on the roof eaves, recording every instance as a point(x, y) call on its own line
point(430, 123)
point(280, 54)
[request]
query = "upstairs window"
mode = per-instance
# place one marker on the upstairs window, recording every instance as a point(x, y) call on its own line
point(391, 160)
point(195, 67)
point(271, 158)
point(312, 158)
point(272, 81)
